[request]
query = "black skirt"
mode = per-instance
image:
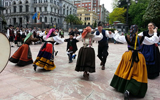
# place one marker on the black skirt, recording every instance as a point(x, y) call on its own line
point(86, 60)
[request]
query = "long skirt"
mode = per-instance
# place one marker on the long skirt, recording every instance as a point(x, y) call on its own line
point(22, 56)
point(133, 79)
point(86, 60)
point(45, 58)
point(152, 56)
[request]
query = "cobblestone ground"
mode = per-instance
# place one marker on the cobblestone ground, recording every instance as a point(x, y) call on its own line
point(63, 83)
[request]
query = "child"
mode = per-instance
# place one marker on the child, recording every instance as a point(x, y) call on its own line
point(71, 46)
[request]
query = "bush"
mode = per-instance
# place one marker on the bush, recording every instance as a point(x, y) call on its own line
point(109, 29)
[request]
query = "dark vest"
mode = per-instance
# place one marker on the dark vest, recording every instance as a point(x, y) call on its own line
point(11, 33)
point(145, 33)
point(104, 41)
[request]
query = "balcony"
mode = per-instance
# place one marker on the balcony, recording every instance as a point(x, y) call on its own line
point(1, 7)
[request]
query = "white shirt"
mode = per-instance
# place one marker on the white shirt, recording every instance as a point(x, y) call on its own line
point(106, 34)
point(96, 37)
point(147, 41)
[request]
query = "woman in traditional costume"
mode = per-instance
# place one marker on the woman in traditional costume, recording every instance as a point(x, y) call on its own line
point(130, 77)
point(23, 55)
point(151, 53)
point(86, 55)
point(45, 58)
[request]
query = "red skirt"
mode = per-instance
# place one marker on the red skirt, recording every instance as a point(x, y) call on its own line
point(22, 56)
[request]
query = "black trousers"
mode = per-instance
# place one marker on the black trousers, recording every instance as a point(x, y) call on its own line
point(103, 53)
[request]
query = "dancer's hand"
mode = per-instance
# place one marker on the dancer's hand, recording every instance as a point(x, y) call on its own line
point(155, 30)
point(115, 31)
point(110, 32)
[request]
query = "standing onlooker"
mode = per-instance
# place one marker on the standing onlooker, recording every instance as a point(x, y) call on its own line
point(10, 35)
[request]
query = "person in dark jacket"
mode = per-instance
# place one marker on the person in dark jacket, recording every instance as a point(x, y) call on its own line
point(71, 46)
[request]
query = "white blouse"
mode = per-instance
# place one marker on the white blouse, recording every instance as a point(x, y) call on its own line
point(96, 37)
point(54, 38)
point(147, 41)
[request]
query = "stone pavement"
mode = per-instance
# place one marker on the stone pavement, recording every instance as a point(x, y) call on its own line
point(63, 83)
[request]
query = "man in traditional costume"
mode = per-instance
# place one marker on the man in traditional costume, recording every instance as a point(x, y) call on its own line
point(10, 35)
point(103, 45)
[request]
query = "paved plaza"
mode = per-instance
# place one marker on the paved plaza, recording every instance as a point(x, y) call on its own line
point(64, 83)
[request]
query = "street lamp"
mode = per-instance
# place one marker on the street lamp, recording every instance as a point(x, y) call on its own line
point(128, 4)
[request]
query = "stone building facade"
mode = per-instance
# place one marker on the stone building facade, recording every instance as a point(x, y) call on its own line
point(52, 12)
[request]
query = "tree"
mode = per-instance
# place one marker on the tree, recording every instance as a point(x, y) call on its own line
point(73, 19)
point(153, 12)
point(136, 12)
point(117, 15)
point(95, 24)
point(115, 4)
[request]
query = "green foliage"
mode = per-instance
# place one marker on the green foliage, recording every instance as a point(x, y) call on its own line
point(73, 19)
point(136, 12)
point(95, 24)
point(152, 13)
point(117, 15)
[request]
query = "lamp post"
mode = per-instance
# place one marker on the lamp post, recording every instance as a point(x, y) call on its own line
point(128, 4)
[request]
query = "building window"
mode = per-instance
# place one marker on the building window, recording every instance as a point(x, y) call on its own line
point(35, 1)
point(58, 20)
point(14, 20)
point(6, 4)
point(35, 10)
point(45, 8)
point(51, 19)
point(40, 9)
point(46, 19)
point(35, 20)
point(89, 23)
point(89, 4)
point(94, 1)
point(27, 8)
point(51, 1)
point(51, 9)
point(58, 11)
point(82, 4)
point(55, 2)
point(86, 4)
point(6, 11)
point(94, 5)
point(20, 8)
point(63, 11)
point(89, 7)
point(14, 3)
point(67, 12)
point(79, 5)
point(14, 9)
point(26, 1)
point(40, 19)
point(80, 18)
point(9, 3)
point(20, 2)
point(27, 19)
point(70, 12)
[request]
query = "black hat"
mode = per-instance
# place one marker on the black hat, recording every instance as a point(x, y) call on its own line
point(71, 33)
point(99, 23)
point(10, 25)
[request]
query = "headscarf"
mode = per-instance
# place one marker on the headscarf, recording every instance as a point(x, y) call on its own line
point(86, 30)
point(28, 35)
point(134, 38)
point(50, 32)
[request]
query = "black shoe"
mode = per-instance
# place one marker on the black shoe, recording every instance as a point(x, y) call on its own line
point(103, 67)
point(35, 67)
point(12, 46)
point(126, 95)
point(56, 53)
point(70, 61)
